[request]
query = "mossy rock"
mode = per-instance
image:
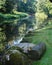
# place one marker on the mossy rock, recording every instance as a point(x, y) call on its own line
point(17, 58)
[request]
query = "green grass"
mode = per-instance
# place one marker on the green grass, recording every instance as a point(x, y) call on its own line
point(45, 36)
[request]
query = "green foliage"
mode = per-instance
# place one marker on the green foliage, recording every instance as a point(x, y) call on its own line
point(15, 15)
point(44, 6)
point(40, 5)
point(20, 14)
point(25, 1)
point(28, 6)
point(12, 14)
point(7, 6)
point(40, 18)
point(10, 5)
point(2, 2)
point(44, 10)
point(8, 16)
point(2, 37)
point(50, 13)
point(49, 7)
point(1, 47)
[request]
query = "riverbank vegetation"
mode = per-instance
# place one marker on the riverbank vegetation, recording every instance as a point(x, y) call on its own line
point(20, 16)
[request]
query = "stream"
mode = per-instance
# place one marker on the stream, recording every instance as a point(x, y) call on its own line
point(32, 29)
point(18, 36)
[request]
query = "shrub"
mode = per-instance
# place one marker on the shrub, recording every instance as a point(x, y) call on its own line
point(40, 18)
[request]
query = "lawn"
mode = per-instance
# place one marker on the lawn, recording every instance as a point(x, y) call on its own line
point(44, 35)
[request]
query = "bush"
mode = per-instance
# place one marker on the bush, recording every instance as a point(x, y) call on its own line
point(40, 18)
point(1, 48)
point(50, 12)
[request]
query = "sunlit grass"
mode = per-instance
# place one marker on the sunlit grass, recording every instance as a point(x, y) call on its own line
point(46, 37)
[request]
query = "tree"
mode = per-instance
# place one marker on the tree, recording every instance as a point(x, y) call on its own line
point(2, 3)
point(31, 4)
point(44, 6)
point(41, 11)
point(10, 5)
point(49, 8)
point(28, 6)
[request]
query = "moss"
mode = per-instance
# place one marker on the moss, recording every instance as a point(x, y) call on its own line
point(17, 58)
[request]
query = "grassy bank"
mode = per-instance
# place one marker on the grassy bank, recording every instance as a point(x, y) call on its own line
point(44, 35)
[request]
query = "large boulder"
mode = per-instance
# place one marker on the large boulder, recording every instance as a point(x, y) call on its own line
point(16, 58)
point(37, 51)
point(34, 52)
point(24, 55)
